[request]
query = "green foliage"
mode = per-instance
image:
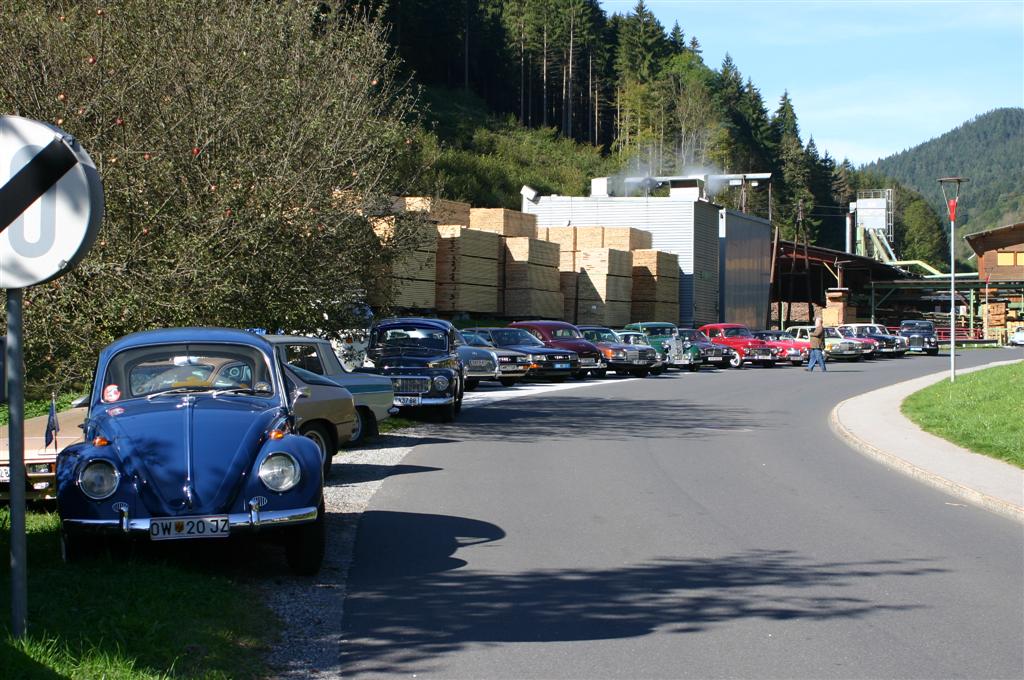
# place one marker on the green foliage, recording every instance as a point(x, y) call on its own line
point(485, 161)
point(240, 145)
point(980, 411)
point(128, 618)
point(988, 150)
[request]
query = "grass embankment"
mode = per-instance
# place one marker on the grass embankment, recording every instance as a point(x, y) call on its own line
point(39, 407)
point(981, 411)
point(126, 618)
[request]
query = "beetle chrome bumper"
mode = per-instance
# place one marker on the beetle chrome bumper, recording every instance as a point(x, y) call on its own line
point(237, 521)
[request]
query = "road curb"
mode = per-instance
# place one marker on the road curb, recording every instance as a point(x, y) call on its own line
point(895, 462)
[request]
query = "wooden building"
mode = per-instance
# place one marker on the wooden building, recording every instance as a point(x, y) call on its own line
point(1000, 253)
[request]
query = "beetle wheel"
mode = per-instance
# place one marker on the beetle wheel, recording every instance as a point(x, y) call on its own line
point(306, 545)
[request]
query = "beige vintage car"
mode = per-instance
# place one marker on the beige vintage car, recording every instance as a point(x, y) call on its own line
point(40, 460)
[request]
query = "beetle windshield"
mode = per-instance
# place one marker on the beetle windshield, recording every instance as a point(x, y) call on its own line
point(144, 371)
point(514, 336)
point(600, 335)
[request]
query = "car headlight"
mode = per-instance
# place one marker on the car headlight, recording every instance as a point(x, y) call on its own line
point(441, 383)
point(280, 472)
point(98, 479)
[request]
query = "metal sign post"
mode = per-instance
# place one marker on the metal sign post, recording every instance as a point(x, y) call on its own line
point(51, 207)
point(952, 203)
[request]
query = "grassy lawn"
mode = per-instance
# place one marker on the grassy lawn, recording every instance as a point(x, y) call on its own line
point(394, 423)
point(122, 617)
point(39, 407)
point(981, 411)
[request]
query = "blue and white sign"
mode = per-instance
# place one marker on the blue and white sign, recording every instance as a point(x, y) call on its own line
point(51, 202)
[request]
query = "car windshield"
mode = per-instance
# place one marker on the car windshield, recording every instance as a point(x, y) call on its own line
point(184, 367)
point(659, 329)
point(476, 340)
point(832, 333)
point(410, 337)
point(562, 333)
point(737, 333)
point(514, 336)
point(917, 326)
point(693, 335)
point(784, 336)
point(600, 335)
point(878, 330)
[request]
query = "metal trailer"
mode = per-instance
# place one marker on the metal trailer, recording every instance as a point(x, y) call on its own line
point(680, 225)
point(745, 258)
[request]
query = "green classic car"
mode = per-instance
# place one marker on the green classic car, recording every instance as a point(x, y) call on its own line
point(664, 337)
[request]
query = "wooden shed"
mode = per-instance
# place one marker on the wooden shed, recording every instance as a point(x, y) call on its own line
point(1000, 252)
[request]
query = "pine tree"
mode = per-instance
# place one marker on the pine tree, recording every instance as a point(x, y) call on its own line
point(677, 39)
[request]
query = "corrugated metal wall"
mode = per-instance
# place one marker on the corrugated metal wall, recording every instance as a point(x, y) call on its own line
point(745, 264)
point(687, 228)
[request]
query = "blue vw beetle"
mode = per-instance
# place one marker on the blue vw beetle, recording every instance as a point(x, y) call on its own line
point(189, 436)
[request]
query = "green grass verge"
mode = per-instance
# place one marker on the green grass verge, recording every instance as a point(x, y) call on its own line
point(981, 411)
point(128, 618)
point(394, 424)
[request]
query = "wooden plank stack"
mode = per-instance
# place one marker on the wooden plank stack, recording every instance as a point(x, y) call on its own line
point(505, 222)
point(468, 265)
point(655, 286)
point(602, 287)
point(531, 279)
point(626, 238)
point(996, 312)
point(439, 210)
point(413, 273)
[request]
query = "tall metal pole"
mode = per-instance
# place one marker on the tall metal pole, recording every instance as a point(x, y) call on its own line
point(951, 204)
point(16, 435)
point(952, 300)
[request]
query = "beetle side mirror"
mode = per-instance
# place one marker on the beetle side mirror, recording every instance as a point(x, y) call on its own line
point(301, 393)
point(80, 401)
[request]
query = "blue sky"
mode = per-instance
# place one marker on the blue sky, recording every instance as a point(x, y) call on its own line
point(868, 78)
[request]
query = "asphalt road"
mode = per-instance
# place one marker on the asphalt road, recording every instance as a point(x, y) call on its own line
point(688, 526)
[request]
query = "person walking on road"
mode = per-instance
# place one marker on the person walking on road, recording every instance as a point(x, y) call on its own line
point(817, 337)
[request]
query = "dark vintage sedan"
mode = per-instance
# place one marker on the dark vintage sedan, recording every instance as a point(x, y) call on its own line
point(638, 339)
point(920, 335)
point(564, 335)
point(623, 358)
point(190, 435)
point(546, 362)
point(421, 358)
point(480, 363)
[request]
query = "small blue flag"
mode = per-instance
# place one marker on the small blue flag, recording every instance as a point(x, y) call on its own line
point(52, 425)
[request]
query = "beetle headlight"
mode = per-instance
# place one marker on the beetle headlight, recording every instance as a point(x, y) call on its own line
point(441, 383)
point(280, 472)
point(98, 479)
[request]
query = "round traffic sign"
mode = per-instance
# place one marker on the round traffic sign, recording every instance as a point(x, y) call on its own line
point(51, 202)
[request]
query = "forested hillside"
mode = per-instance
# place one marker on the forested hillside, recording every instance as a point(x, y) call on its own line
point(551, 72)
point(989, 150)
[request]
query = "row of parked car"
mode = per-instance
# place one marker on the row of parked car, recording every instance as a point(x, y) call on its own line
point(208, 433)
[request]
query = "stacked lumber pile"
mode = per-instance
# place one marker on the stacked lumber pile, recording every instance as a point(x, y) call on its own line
point(996, 313)
point(603, 287)
point(531, 279)
point(626, 238)
point(505, 222)
point(468, 266)
point(655, 286)
point(439, 210)
point(412, 276)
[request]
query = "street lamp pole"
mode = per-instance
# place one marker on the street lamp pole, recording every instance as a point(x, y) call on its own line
point(952, 198)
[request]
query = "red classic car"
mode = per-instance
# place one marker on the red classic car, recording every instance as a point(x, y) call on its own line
point(790, 349)
point(562, 335)
point(747, 348)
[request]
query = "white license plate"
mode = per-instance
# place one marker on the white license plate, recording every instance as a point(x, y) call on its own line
point(170, 528)
point(587, 362)
point(407, 401)
point(563, 365)
point(5, 473)
point(639, 361)
point(716, 358)
point(510, 368)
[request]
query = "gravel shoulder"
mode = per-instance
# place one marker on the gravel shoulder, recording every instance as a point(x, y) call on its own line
point(311, 609)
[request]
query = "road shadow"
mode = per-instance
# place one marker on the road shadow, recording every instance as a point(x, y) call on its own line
point(343, 473)
point(555, 415)
point(412, 598)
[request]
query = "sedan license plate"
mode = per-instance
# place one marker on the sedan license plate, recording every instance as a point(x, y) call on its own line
point(563, 365)
point(716, 358)
point(407, 401)
point(509, 367)
point(587, 362)
point(5, 474)
point(171, 528)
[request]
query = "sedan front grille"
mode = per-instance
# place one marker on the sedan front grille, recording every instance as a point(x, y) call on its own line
point(406, 385)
